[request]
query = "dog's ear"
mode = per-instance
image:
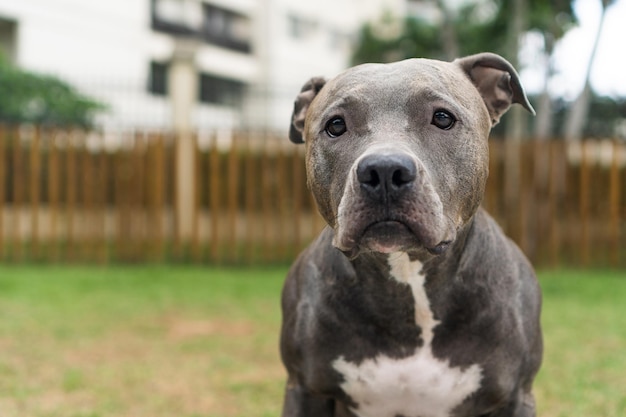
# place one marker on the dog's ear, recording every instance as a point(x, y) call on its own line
point(497, 81)
point(301, 105)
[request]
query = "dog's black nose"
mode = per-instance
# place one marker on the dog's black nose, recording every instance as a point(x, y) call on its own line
point(386, 176)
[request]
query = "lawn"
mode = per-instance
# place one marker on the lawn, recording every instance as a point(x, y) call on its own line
point(189, 342)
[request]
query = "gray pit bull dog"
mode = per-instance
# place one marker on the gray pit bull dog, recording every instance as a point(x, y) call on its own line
point(412, 302)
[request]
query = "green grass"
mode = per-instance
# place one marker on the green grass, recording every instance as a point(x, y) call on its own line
point(584, 324)
point(202, 342)
point(139, 341)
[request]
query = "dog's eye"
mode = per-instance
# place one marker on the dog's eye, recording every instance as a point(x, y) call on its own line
point(336, 127)
point(443, 119)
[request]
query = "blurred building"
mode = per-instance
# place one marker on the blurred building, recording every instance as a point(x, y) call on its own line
point(247, 58)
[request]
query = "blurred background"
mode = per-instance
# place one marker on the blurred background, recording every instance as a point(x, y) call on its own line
point(156, 130)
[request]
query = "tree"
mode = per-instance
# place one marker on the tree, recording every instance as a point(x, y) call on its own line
point(26, 97)
point(382, 42)
point(461, 31)
point(579, 110)
point(551, 20)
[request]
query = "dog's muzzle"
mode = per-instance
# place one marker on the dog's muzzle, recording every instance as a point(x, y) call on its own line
point(390, 205)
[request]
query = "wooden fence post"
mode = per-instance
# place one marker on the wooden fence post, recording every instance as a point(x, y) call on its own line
point(512, 187)
point(54, 184)
point(123, 204)
point(158, 196)
point(70, 204)
point(196, 251)
point(584, 203)
point(214, 198)
point(281, 198)
point(101, 201)
point(87, 168)
point(34, 191)
point(555, 195)
point(18, 188)
point(525, 200)
point(266, 197)
point(297, 197)
point(233, 198)
point(3, 162)
point(614, 210)
point(250, 186)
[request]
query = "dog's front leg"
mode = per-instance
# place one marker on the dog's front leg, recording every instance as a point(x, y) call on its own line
point(301, 403)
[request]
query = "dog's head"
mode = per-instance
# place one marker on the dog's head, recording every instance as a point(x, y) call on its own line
point(397, 154)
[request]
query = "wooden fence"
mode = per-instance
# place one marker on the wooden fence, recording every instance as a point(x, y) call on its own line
point(88, 197)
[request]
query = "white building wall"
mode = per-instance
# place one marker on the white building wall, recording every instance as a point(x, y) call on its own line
point(105, 48)
point(102, 47)
point(324, 50)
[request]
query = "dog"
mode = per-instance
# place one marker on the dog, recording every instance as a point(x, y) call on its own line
point(411, 302)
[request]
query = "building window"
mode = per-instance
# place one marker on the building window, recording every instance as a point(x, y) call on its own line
point(176, 17)
point(157, 82)
point(196, 19)
point(221, 91)
point(226, 28)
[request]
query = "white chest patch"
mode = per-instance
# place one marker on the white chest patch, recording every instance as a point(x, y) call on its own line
point(419, 385)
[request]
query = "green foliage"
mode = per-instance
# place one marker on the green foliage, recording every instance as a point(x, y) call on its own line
point(473, 32)
point(416, 38)
point(26, 97)
point(604, 119)
point(554, 17)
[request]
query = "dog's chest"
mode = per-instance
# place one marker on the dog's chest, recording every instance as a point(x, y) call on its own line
point(417, 385)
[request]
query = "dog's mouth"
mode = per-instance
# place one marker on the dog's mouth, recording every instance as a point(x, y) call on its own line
point(389, 236)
